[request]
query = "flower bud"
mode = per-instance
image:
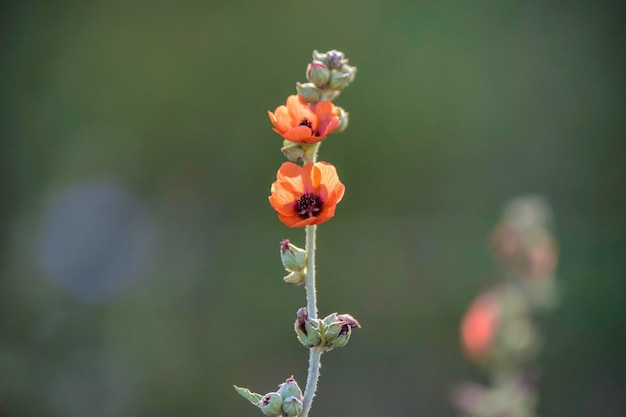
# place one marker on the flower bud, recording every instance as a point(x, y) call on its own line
point(335, 59)
point(290, 388)
point(293, 257)
point(309, 92)
point(293, 151)
point(344, 118)
point(342, 337)
point(317, 73)
point(307, 331)
point(350, 70)
point(339, 80)
point(295, 278)
point(271, 404)
point(292, 406)
point(337, 329)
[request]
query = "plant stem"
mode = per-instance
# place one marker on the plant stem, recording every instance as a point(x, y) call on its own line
point(315, 364)
point(315, 353)
point(309, 280)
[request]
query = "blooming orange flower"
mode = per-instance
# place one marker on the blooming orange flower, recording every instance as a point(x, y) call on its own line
point(302, 122)
point(479, 326)
point(304, 195)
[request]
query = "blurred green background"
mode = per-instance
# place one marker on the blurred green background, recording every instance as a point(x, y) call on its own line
point(140, 271)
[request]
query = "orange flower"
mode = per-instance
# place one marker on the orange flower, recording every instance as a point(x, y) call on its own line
point(306, 195)
point(479, 326)
point(302, 122)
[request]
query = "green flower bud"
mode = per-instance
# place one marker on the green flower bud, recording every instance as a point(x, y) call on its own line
point(293, 151)
point(332, 330)
point(339, 80)
point(290, 388)
point(344, 118)
point(271, 404)
point(317, 72)
point(307, 331)
point(350, 70)
point(293, 257)
point(337, 329)
point(292, 406)
point(295, 278)
point(309, 92)
point(342, 338)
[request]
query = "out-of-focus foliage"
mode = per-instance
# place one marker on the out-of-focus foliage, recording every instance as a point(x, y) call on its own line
point(140, 271)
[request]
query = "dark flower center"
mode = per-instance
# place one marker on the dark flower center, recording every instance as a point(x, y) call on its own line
point(309, 205)
point(306, 122)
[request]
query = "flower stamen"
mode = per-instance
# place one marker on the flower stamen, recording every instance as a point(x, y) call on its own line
point(309, 205)
point(306, 122)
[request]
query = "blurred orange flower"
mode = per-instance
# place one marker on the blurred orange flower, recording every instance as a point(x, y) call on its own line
point(305, 195)
point(302, 122)
point(479, 326)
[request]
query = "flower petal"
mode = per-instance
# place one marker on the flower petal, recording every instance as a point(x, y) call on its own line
point(292, 174)
point(300, 134)
point(299, 109)
point(282, 200)
point(280, 119)
point(296, 221)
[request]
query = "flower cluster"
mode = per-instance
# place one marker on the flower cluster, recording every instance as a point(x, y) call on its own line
point(306, 193)
point(498, 332)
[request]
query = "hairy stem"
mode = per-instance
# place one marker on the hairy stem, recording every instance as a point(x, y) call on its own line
point(315, 353)
point(309, 280)
point(315, 364)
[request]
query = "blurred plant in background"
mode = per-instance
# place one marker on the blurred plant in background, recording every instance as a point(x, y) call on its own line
point(498, 331)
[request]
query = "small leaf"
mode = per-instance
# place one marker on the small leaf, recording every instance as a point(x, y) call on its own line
point(253, 397)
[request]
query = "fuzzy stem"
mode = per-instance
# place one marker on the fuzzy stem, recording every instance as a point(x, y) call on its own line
point(315, 364)
point(309, 280)
point(315, 353)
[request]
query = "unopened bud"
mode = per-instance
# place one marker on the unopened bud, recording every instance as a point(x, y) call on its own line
point(344, 119)
point(337, 329)
point(290, 388)
point(307, 331)
point(309, 92)
point(342, 338)
point(317, 72)
point(292, 406)
point(350, 70)
point(339, 80)
point(295, 278)
point(293, 258)
point(335, 59)
point(293, 151)
point(271, 404)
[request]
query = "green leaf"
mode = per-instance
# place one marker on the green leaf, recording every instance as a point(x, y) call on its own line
point(253, 397)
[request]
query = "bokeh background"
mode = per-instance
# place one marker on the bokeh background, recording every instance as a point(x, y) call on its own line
point(140, 271)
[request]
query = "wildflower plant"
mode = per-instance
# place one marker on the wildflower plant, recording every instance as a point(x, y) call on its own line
point(498, 331)
point(306, 193)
